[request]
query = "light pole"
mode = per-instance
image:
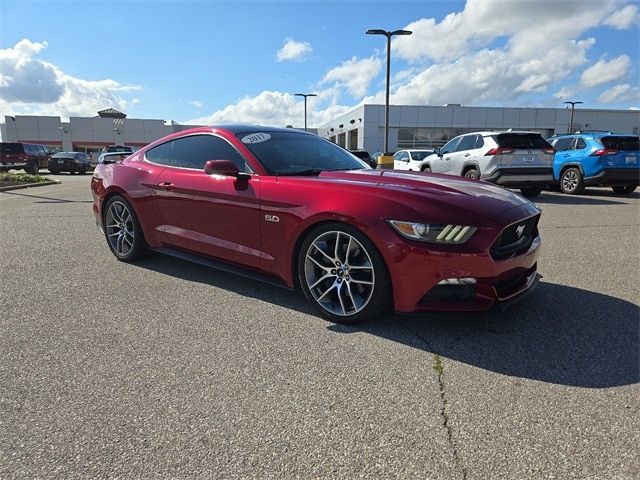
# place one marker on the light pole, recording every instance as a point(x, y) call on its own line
point(305, 95)
point(573, 104)
point(387, 34)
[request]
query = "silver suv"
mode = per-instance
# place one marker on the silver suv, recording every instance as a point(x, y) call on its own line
point(522, 160)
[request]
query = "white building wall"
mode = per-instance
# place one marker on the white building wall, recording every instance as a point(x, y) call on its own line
point(454, 118)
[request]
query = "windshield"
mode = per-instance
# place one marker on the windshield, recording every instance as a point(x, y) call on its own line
point(421, 154)
point(293, 153)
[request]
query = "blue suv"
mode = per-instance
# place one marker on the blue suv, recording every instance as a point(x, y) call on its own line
point(596, 158)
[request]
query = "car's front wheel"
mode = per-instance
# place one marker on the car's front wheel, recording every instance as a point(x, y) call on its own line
point(426, 169)
point(624, 189)
point(343, 275)
point(123, 231)
point(571, 181)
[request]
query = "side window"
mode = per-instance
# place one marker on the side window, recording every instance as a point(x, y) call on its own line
point(160, 154)
point(563, 144)
point(580, 144)
point(27, 149)
point(194, 151)
point(451, 145)
point(467, 143)
point(479, 142)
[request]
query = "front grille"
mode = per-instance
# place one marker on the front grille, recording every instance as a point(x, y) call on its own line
point(515, 239)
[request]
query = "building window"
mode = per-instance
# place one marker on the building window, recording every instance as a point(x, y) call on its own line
point(342, 139)
point(353, 139)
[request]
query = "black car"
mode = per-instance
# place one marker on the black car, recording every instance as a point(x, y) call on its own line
point(69, 162)
point(364, 155)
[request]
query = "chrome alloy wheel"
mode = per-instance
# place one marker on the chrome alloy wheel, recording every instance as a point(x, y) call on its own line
point(570, 181)
point(120, 232)
point(339, 273)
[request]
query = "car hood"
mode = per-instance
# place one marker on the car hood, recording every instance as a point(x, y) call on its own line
point(420, 191)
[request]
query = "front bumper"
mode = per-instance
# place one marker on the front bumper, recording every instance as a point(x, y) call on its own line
point(417, 280)
point(615, 176)
point(520, 177)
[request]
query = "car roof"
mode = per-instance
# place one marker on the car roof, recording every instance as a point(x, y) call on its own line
point(592, 134)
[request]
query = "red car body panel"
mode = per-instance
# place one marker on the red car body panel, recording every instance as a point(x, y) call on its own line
point(233, 219)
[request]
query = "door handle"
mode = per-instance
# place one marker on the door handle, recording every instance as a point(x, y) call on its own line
point(467, 154)
point(166, 186)
point(447, 158)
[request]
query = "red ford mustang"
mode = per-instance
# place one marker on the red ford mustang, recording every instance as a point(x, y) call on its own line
point(293, 209)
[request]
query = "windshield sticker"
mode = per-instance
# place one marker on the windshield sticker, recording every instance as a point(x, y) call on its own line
point(256, 138)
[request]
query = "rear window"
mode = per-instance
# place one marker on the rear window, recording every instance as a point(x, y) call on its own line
point(621, 143)
point(63, 155)
point(521, 140)
point(10, 148)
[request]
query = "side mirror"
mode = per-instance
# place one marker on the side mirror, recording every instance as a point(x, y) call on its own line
point(222, 167)
point(437, 151)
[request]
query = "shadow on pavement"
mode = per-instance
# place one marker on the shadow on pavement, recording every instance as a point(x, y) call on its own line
point(561, 199)
point(559, 334)
point(46, 199)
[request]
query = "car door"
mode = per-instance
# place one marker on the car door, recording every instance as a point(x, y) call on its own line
point(563, 155)
point(462, 156)
point(442, 162)
point(401, 160)
point(213, 215)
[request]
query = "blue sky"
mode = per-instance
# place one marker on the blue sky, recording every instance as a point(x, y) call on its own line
point(210, 62)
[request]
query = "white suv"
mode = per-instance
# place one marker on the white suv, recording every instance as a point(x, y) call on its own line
point(512, 159)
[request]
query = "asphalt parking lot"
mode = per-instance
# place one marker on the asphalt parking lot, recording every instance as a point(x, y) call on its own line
point(167, 369)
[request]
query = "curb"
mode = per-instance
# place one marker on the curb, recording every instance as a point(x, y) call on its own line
point(29, 185)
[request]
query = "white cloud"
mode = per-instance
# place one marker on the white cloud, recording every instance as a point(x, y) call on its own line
point(620, 93)
point(605, 71)
point(29, 85)
point(624, 18)
point(529, 25)
point(279, 109)
point(356, 75)
point(196, 103)
point(293, 50)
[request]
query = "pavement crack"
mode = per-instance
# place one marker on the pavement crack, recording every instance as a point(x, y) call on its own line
point(446, 421)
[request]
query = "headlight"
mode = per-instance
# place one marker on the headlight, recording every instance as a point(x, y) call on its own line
point(426, 232)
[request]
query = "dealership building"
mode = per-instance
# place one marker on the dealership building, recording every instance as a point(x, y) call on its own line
point(431, 126)
point(361, 128)
point(86, 134)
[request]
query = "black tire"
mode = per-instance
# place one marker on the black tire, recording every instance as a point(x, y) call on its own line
point(571, 181)
point(624, 189)
point(54, 171)
point(531, 191)
point(472, 173)
point(82, 171)
point(124, 238)
point(426, 169)
point(33, 168)
point(367, 294)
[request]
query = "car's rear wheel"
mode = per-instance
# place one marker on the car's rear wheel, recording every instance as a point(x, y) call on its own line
point(123, 231)
point(531, 191)
point(472, 173)
point(343, 275)
point(54, 171)
point(624, 189)
point(571, 181)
